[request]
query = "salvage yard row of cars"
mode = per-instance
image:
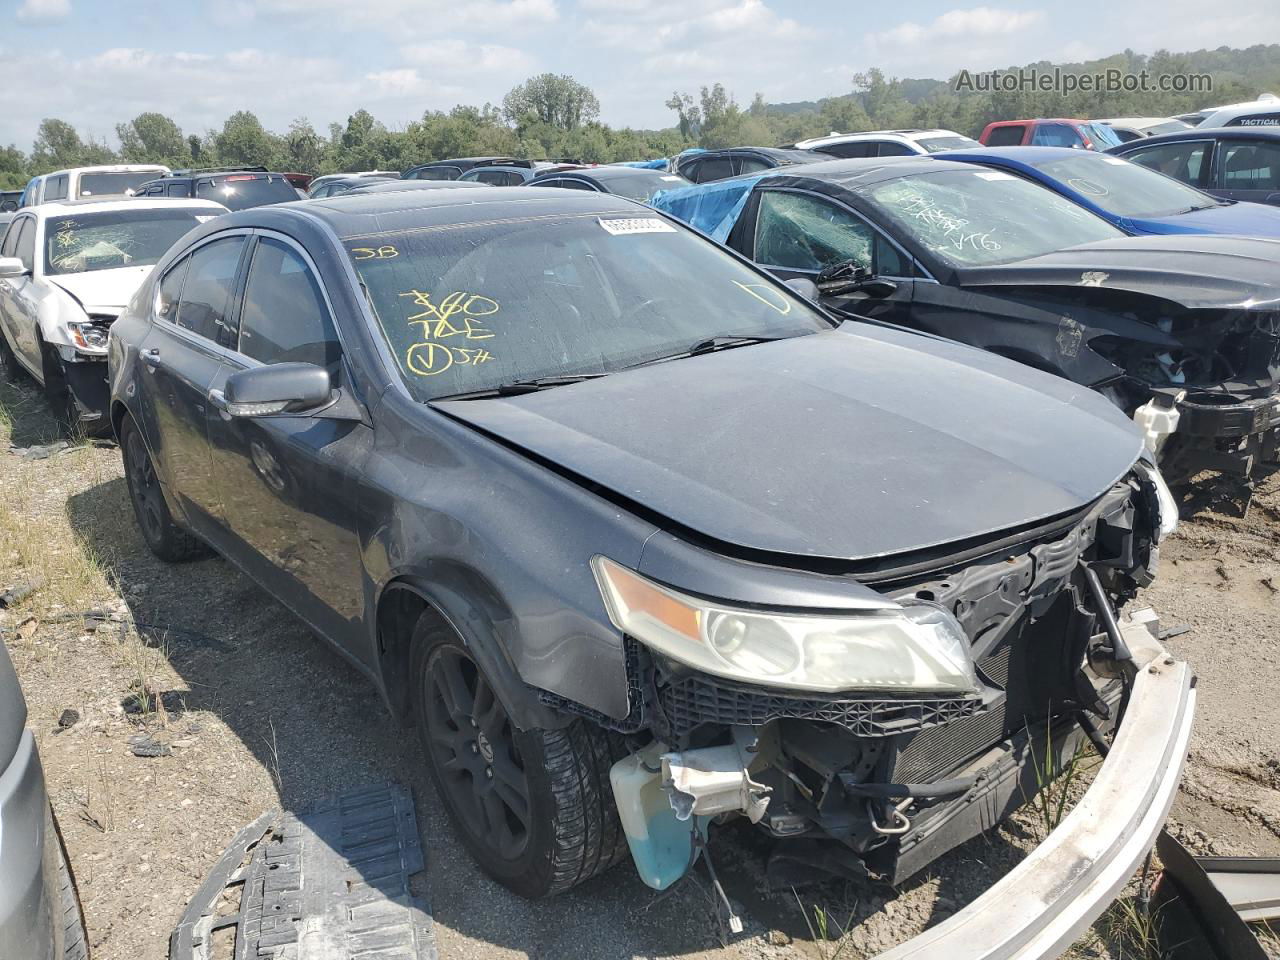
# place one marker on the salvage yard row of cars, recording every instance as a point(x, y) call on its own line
point(752, 483)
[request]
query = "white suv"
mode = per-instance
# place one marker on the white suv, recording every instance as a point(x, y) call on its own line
point(77, 182)
point(66, 272)
point(888, 143)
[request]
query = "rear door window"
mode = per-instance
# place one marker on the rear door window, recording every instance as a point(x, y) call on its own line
point(752, 165)
point(1009, 136)
point(891, 148)
point(1055, 135)
point(1250, 165)
point(1183, 161)
point(172, 190)
point(849, 151)
point(285, 318)
point(206, 294)
point(714, 168)
point(55, 188)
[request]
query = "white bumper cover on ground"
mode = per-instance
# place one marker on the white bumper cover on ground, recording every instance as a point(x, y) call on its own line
point(1043, 905)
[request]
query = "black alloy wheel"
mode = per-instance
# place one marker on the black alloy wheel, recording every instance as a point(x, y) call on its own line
point(474, 750)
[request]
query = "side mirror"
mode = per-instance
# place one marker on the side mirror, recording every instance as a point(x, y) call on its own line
point(275, 388)
point(12, 267)
point(849, 277)
point(803, 286)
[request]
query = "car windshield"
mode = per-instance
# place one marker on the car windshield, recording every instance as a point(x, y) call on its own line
point(984, 217)
point(938, 144)
point(468, 308)
point(1125, 189)
point(644, 185)
point(119, 238)
point(240, 191)
point(99, 184)
point(1101, 133)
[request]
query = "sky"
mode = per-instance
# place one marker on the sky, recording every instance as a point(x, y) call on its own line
point(99, 62)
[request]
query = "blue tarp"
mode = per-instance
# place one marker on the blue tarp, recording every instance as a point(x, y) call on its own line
point(663, 163)
point(712, 208)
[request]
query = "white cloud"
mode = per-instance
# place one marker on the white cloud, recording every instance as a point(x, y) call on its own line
point(976, 38)
point(424, 17)
point(461, 57)
point(200, 90)
point(41, 11)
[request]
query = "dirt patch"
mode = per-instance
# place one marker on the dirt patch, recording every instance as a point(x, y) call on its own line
point(173, 704)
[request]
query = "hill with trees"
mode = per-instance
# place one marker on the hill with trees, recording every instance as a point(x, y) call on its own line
point(553, 115)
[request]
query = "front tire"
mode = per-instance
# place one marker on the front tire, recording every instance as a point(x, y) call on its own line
point(533, 807)
point(10, 369)
point(167, 540)
point(58, 394)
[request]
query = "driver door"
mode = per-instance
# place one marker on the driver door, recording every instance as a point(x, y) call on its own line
point(289, 483)
point(800, 234)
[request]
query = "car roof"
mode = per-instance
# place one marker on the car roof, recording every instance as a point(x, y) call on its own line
point(912, 134)
point(861, 170)
point(110, 168)
point(1202, 133)
point(1137, 121)
point(390, 185)
point(1027, 155)
point(103, 204)
point(602, 172)
point(356, 215)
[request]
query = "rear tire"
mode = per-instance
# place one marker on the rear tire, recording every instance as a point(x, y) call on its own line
point(164, 536)
point(533, 807)
point(70, 914)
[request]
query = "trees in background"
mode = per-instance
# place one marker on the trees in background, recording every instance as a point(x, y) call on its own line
point(553, 115)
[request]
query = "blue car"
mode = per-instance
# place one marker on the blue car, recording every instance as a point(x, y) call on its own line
point(1134, 198)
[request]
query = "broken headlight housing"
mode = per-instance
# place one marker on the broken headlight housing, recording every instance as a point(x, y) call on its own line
point(88, 336)
point(918, 648)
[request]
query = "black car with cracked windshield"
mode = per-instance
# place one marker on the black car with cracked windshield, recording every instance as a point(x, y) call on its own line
point(1181, 332)
point(638, 538)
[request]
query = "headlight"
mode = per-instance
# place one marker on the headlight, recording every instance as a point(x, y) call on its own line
point(914, 648)
point(1164, 498)
point(88, 336)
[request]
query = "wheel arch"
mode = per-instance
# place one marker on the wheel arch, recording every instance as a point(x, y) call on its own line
point(468, 606)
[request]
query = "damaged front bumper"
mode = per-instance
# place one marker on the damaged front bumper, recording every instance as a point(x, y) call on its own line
point(1039, 908)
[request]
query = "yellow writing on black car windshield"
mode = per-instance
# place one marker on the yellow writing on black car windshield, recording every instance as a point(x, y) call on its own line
point(457, 317)
point(386, 252)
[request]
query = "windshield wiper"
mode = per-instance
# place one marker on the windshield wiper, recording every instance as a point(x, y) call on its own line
point(712, 345)
point(513, 388)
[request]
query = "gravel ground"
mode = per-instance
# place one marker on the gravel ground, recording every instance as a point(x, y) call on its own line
point(257, 713)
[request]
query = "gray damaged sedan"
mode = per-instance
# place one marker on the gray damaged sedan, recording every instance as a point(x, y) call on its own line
point(640, 541)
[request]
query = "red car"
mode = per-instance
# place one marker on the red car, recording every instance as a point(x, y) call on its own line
point(1081, 134)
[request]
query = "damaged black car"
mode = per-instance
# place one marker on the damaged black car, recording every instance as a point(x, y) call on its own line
point(1181, 332)
point(641, 541)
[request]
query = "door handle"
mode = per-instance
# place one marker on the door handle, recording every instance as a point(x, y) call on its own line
point(151, 357)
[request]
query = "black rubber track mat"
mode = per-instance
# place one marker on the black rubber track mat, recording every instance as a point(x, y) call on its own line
point(329, 883)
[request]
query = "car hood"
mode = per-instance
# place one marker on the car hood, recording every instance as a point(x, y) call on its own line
point(857, 443)
point(110, 289)
point(1244, 218)
point(1195, 271)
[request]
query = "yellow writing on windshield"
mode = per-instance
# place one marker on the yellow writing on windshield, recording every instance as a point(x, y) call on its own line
point(386, 252)
point(430, 358)
point(456, 315)
point(767, 295)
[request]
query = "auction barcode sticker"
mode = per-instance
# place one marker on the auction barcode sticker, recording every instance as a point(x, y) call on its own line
point(626, 225)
